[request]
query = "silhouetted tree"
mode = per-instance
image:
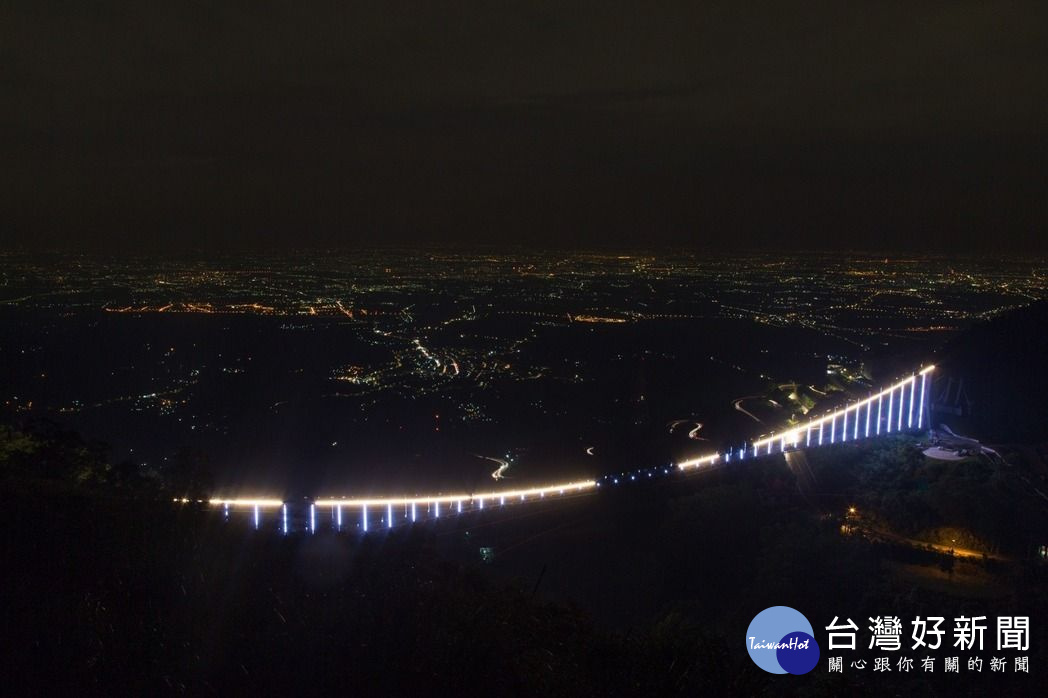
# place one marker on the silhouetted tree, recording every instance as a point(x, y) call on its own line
point(189, 474)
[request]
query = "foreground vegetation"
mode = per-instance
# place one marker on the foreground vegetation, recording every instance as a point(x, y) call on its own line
point(975, 503)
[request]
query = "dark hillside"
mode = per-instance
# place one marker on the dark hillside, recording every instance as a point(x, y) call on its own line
point(1004, 366)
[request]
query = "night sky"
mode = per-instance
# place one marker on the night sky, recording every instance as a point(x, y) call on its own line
point(177, 125)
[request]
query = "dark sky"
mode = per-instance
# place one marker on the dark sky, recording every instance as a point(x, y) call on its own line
point(257, 123)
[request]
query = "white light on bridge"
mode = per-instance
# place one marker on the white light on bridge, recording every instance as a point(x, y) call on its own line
point(902, 396)
point(909, 416)
point(248, 502)
point(920, 408)
point(891, 401)
point(313, 518)
point(895, 415)
point(696, 462)
point(283, 515)
point(847, 419)
point(457, 499)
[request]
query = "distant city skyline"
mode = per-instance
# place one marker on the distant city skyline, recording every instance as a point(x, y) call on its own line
point(321, 370)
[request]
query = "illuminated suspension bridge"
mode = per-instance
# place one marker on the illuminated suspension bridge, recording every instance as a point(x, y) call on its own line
point(901, 407)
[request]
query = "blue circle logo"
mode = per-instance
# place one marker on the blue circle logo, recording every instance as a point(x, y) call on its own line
point(780, 640)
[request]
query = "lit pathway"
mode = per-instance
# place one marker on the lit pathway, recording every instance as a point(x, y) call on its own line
point(898, 408)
